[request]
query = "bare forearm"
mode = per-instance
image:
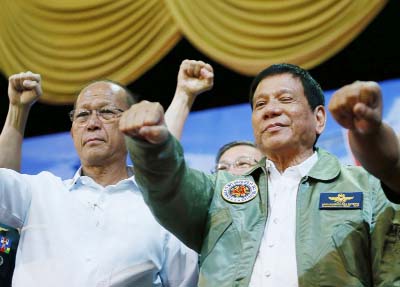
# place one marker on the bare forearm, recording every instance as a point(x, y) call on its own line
point(379, 154)
point(11, 137)
point(177, 113)
point(194, 78)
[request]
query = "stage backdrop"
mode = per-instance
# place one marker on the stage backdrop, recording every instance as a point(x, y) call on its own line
point(204, 133)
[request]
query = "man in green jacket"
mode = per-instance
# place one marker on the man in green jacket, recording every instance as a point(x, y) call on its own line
point(299, 218)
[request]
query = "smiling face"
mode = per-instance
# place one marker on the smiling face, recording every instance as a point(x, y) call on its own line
point(99, 143)
point(283, 122)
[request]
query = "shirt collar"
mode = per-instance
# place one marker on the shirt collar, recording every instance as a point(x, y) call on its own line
point(78, 177)
point(301, 169)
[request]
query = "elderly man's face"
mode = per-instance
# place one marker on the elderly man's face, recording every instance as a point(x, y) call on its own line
point(282, 120)
point(97, 139)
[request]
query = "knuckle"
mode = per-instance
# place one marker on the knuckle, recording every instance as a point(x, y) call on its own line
point(159, 106)
point(185, 64)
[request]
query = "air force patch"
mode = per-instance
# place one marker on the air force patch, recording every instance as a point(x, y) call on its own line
point(239, 191)
point(341, 200)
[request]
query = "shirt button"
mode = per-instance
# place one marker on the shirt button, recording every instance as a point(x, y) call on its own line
point(267, 274)
point(275, 220)
point(270, 245)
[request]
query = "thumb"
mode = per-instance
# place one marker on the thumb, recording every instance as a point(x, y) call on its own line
point(207, 78)
point(28, 84)
point(33, 85)
point(367, 119)
point(364, 112)
point(154, 134)
point(206, 74)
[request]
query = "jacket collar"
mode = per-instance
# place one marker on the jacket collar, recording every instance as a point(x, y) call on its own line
point(259, 167)
point(326, 168)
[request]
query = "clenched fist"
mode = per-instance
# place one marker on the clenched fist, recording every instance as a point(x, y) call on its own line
point(195, 77)
point(145, 120)
point(358, 107)
point(24, 89)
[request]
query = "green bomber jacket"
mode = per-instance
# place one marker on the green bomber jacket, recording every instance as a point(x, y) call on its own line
point(336, 245)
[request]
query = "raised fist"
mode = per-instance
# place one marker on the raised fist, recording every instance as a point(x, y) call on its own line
point(145, 120)
point(358, 107)
point(24, 88)
point(195, 77)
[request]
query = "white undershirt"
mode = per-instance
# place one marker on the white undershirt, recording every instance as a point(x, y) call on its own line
point(276, 260)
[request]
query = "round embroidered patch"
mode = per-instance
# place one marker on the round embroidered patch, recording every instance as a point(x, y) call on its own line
point(239, 191)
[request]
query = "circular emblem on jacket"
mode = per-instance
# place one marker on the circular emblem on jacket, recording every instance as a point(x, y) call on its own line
point(1, 260)
point(239, 191)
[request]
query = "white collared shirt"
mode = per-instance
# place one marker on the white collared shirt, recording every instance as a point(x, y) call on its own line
point(79, 233)
point(276, 265)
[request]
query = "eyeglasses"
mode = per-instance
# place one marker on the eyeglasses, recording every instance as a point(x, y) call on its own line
point(242, 162)
point(106, 115)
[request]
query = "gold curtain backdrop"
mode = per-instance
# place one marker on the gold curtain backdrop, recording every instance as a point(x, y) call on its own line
point(248, 35)
point(73, 42)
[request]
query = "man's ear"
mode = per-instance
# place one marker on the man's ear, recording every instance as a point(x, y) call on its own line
point(320, 119)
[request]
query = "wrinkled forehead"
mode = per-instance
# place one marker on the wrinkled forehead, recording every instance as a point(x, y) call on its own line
point(277, 84)
point(100, 94)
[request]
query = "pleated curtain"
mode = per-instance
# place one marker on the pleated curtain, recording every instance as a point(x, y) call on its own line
point(73, 42)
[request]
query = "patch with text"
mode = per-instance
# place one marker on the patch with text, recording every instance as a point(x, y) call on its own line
point(239, 191)
point(341, 200)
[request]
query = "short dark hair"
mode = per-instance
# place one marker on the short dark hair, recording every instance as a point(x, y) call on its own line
point(131, 98)
point(312, 90)
point(229, 145)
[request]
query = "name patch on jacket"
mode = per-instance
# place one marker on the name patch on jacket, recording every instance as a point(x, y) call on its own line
point(5, 244)
point(239, 191)
point(341, 200)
